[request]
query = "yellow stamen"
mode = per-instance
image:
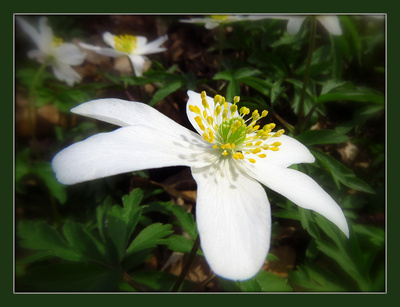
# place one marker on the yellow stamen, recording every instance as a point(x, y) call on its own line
point(125, 43)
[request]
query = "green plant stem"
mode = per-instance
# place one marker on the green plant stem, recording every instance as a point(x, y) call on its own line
point(313, 29)
point(187, 265)
point(32, 110)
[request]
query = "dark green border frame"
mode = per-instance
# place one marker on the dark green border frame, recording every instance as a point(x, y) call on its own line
point(204, 6)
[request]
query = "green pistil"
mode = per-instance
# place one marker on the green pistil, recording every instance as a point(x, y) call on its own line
point(233, 131)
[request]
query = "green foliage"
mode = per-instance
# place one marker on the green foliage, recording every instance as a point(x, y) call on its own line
point(102, 254)
point(84, 238)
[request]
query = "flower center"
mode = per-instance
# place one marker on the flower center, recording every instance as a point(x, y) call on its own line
point(219, 17)
point(56, 41)
point(232, 134)
point(125, 43)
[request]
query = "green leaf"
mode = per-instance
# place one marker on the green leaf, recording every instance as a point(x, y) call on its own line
point(276, 90)
point(166, 90)
point(232, 90)
point(259, 85)
point(150, 237)
point(72, 276)
point(181, 244)
point(81, 242)
point(270, 282)
point(38, 235)
point(121, 221)
point(340, 173)
point(223, 75)
point(244, 73)
point(313, 137)
point(186, 219)
point(312, 278)
point(45, 172)
point(360, 94)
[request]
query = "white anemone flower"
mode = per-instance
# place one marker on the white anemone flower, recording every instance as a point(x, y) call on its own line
point(213, 21)
point(135, 47)
point(230, 157)
point(330, 23)
point(51, 50)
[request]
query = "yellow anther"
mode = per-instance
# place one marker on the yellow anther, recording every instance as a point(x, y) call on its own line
point(233, 129)
point(279, 133)
point(237, 124)
point(276, 144)
point(235, 156)
point(249, 144)
point(269, 126)
point(199, 122)
point(206, 137)
point(223, 146)
point(256, 127)
point(217, 99)
point(241, 156)
point(224, 114)
point(262, 155)
point(233, 146)
point(225, 153)
point(225, 105)
point(205, 103)
point(194, 109)
point(204, 113)
point(255, 115)
point(210, 120)
point(244, 111)
point(265, 147)
point(252, 160)
point(264, 113)
point(236, 99)
point(203, 94)
point(217, 110)
point(255, 151)
point(258, 143)
point(223, 101)
point(233, 108)
point(274, 148)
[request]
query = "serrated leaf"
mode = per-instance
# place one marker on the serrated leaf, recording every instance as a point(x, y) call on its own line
point(186, 219)
point(81, 242)
point(340, 173)
point(38, 235)
point(313, 137)
point(149, 237)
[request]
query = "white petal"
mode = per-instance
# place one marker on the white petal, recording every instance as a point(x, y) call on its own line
point(65, 73)
point(126, 113)
point(195, 100)
point(141, 42)
point(103, 50)
point(294, 24)
point(69, 54)
point(125, 150)
point(109, 39)
point(46, 35)
point(233, 219)
point(300, 189)
point(290, 152)
point(154, 46)
point(31, 31)
point(211, 24)
point(137, 64)
point(331, 23)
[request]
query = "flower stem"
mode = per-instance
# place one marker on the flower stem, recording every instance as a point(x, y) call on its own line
point(187, 265)
point(313, 29)
point(32, 110)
